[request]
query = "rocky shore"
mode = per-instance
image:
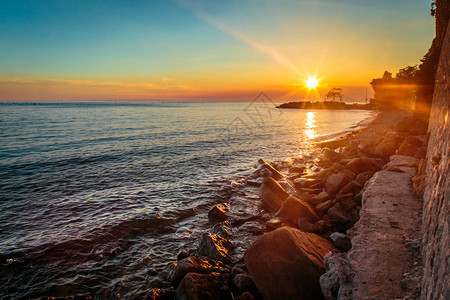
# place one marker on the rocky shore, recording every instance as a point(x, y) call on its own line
point(309, 205)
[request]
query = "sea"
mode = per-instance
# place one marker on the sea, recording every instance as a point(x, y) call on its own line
point(100, 197)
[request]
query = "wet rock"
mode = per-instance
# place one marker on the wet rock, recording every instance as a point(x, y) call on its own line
point(75, 297)
point(273, 194)
point(331, 155)
point(273, 224)
point(305, 224)
point(156, 283)
point(223, 229)
point(274, 172)
point(244, 283)
point(200, 286)
point(294, 208)
point(218, 212)
point(343, 196)
point(297, 169)
point(335, 182)
point(341, 241)
point(287, 263)
point(182, 254)
point(287, 186)
point(360, 165)
point(152, 272)
point(294, 176)
point(161, 294)
point(319, 226)
point(300, 183)
point(191, 264)
point(214, 246)
point(323, 207)
point(255, 182)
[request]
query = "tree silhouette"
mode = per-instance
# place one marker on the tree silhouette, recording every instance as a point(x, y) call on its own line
point(335, 93)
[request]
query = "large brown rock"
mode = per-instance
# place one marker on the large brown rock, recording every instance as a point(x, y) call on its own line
point(218, 212)
point(294, 208)
point(335, 182)
point(331, 155)
point(273, 194)
point(360, 165)
point(287, 263)
point(196, 286)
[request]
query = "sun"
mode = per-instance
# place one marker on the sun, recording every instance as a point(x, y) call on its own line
point(312, 82)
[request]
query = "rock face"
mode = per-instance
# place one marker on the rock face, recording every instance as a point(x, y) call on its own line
point(273, 194)
point(287, 263)
point(214, 246)
point(436, 229)
point(196, 286)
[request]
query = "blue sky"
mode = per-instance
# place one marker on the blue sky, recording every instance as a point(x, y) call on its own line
point(198, 47)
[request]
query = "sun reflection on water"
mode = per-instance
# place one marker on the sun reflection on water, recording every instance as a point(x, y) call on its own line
point(310, 133)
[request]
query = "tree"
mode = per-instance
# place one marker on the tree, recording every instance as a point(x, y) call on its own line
point(407, 74)
point(335, 93)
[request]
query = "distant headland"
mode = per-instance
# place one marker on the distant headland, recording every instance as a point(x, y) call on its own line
point(332, 105)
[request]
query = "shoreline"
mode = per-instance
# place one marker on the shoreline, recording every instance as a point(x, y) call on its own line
point(313, 199)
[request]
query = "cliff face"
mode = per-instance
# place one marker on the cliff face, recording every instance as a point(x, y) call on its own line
point(435, 210)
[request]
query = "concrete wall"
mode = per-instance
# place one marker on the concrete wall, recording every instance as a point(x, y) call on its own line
point(435, 251)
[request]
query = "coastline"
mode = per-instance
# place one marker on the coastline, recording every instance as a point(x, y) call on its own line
point(312, 202)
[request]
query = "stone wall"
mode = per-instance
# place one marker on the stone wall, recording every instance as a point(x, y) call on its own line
point(435, 251)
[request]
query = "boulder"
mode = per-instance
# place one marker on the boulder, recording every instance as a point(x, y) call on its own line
point(321, 197)
point(338, 215)
point(331, 155)
point(362, 178)
point(182, 254)
point(218, 212)
point(223, 229)
point(272, 194)
point(243, 283)
point(305, 182)
point(413, 140)
point(323, 207)
point(294, 208)
point(360, 165)
point(389, 145)
point(200, 286)
point(335, 182)
point(245, 296)
point(191, 264)
point(421, 152)
point(274, 172)
point(161, 294)
point(287, 263)
point(341, 241)
point(273, 224)
point(406, 149)
point(297, 169)
point(214, 246)
point(287, 186)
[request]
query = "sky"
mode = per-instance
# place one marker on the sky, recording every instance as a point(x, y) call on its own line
point(205, 50)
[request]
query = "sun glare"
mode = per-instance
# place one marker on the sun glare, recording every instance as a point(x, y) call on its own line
point(312, 82)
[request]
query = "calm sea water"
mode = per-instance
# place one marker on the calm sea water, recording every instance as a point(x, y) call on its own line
point(93, 196)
